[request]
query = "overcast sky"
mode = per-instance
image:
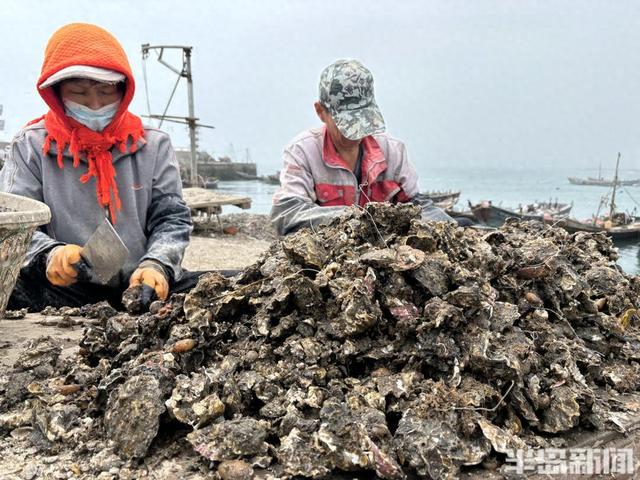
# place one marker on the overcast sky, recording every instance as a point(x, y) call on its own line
point(505, 83)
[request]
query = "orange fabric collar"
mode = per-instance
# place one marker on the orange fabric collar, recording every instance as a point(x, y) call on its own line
point(86, 44)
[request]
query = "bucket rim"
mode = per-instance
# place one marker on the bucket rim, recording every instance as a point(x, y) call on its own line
point(25, 211)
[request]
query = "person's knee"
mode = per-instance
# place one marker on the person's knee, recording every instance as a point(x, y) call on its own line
point(22, 295)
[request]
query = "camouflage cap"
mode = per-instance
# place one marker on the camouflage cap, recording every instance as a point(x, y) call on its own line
point(346, 91)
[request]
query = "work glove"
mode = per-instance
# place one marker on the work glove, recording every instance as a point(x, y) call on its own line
point(60, 265)
point(153, 275)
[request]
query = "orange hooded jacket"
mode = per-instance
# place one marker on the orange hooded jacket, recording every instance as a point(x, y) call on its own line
point(86, 44)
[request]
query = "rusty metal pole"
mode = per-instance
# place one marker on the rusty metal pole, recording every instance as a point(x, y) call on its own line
point(191, 121)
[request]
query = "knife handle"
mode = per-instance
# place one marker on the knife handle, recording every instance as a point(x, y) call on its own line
point(84, 270)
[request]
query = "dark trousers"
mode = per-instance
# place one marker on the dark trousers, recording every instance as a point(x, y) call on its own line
point(33, 290)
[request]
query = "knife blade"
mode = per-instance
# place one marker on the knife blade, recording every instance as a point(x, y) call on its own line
point(105, 252)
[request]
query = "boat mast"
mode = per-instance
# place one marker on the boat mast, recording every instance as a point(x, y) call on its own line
point(613, 195)
point(600, 204)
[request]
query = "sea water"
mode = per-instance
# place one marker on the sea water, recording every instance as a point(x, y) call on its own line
point(508, 187)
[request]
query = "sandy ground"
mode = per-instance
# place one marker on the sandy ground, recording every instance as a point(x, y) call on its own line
point(223, 252)
point(16, 332)
point(213, 249)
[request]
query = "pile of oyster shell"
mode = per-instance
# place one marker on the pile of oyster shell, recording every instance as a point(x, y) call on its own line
point(378, 343)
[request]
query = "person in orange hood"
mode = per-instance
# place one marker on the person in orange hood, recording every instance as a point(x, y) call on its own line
point(89, 157)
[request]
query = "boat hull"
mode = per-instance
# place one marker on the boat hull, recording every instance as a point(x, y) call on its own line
point(444, 200)
point(495, 216)
point(627, 232)
point(600, 182)
point(246, 176)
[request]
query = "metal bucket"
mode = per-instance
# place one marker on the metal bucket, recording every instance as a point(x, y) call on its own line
point(19, 217)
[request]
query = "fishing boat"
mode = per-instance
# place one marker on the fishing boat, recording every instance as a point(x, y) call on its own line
point(455, 213)
point(617, 225)
point(621, 228)
point(247, 176)
point(600, 181)
point(211, 183)
point(273, 179)
point(445, 200)
point(488, 214)
point(603, 182)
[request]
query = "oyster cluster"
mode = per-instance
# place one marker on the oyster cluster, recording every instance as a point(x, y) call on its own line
point(377, 344)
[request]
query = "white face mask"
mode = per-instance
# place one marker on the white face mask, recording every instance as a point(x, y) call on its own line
point(96, 120)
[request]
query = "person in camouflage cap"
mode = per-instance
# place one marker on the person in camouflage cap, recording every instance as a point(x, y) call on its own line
point(346, 92)
point(348, 161)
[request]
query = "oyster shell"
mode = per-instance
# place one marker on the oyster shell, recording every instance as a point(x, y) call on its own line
point(376, 345)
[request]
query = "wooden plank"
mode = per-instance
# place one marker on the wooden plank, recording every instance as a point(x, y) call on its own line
point(200, 198)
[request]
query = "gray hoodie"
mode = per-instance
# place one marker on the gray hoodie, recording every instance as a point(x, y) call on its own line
point(154, 222)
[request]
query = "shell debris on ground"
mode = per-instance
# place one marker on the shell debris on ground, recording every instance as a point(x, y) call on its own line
point(377, 345)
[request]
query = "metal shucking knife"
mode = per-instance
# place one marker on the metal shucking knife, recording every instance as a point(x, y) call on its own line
point(104, 253)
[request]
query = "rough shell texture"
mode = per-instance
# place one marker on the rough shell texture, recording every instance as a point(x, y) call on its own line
point(377, 345)
point(132, 415)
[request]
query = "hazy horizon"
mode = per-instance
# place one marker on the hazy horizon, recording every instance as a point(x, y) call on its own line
point(499, 83)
